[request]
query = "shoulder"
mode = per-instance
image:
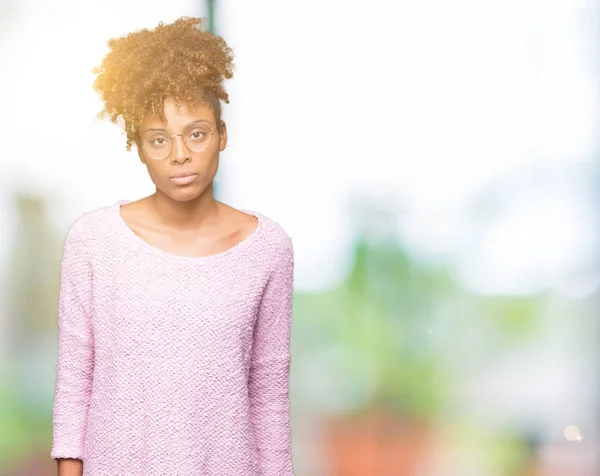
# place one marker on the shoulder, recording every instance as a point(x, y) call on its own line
point(89, 226)
point(276, 241)
point(274, 232)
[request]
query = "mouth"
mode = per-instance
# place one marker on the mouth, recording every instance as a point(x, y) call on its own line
point(183, 179)
point(184, 174)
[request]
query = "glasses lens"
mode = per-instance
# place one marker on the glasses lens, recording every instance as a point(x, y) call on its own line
point(198, 137)
point(158, 145)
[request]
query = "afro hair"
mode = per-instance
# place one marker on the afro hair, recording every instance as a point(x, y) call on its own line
point(181, 60)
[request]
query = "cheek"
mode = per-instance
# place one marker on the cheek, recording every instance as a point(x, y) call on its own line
point(213, 165)
point(154, 169)
point(207, 163)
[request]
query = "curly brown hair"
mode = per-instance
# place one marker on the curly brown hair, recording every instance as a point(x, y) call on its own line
point(181, 59)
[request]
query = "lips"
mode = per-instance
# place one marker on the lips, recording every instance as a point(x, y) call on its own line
point(183, 174)
point(183, 179)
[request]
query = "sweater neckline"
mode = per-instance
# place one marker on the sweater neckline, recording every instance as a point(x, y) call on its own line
point(140, 243)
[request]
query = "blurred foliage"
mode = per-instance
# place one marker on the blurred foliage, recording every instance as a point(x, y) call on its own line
point(29, 358)
point(384, 335)
point(516, 317)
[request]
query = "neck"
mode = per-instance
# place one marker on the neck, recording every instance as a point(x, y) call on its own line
point(193, 214)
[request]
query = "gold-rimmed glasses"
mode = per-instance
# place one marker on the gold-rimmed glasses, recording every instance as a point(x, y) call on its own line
point(159, 145)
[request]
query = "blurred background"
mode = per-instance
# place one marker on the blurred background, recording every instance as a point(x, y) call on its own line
point(444, 213)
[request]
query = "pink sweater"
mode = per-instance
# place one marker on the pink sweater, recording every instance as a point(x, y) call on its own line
point(173, 365)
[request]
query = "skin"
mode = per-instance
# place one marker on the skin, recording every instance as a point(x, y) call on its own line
point(184, 220)
point(70, 467)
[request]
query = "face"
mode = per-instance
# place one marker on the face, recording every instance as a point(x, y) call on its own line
point(194, 126)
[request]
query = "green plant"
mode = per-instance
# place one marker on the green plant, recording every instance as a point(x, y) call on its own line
point(383, 337)
point(372, 334)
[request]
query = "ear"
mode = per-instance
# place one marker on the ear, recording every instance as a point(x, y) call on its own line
point(222, 136)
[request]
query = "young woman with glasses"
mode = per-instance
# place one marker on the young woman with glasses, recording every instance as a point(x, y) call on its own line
point(175, 309)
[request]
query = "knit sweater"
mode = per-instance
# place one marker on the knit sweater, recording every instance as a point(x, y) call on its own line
point(172, 365)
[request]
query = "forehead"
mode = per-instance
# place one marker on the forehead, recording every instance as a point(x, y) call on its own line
point(179, 116)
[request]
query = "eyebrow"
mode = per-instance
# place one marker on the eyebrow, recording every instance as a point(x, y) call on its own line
point(163, 130)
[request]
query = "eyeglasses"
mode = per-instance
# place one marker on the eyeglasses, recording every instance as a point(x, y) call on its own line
point(159, 145)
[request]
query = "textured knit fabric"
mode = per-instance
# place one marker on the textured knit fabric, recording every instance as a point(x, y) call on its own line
point(173, 365)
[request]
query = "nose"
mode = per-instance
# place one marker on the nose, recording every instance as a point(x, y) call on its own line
point(180, 151)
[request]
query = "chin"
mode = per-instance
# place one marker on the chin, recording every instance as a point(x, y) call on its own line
point(185, 194)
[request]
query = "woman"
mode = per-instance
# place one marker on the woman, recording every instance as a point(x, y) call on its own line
point(175, 309)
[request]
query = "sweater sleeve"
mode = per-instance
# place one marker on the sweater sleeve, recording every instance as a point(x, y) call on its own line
point(75, 349)
point(269, 369)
